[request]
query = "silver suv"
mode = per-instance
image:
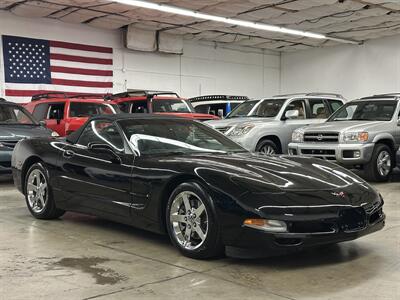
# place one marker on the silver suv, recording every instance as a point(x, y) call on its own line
point(267, 125)
point(364, 133)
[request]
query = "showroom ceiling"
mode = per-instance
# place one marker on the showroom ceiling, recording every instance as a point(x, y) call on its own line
point(357, 20)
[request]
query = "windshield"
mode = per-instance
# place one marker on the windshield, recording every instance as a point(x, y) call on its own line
point(88, 109)
point(13, 114)
point(154, 136)
point(267, 108)
point(381, 110)
point(171, 105)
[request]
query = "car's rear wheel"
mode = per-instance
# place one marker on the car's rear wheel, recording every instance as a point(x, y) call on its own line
point(267, 147)
point(381, 164)
point(192, 223)
point(38, 194)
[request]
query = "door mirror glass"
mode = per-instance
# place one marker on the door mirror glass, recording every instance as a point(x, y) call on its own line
point(292, 114)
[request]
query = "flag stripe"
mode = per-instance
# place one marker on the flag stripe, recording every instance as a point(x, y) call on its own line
point(81, 83)
point(90, 60)
point(70, 64)
point(57, 88)
point(55, 75)
point(81, 53)
point(30, 93)
point(81, 71)
point(58, 44)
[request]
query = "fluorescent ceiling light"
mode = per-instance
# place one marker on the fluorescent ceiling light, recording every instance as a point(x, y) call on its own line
point(237, 22)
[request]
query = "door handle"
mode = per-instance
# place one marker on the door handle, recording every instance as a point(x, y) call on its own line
point(68, 153)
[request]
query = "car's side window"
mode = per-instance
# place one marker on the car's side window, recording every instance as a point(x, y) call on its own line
point(335, 105)
point(56, 111)
point(318, 109)
point(300, 106)
point(101, 132)
point(139, 107)
point(124, 106)
point(40, 111)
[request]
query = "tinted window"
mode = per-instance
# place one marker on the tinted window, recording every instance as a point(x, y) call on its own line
point(81, 109)
point(298, 105)
point(335, 104)
point(217, 109)
point(366, 111)
point(139, 107)
point(40, 111)
point(56, 111)
point(170, 105)
point(154, 136)
point(318, 109)
point(10, 114)
point(101, 132)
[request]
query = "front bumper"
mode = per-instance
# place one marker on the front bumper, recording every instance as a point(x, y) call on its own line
point(335, 152)
point(5, 162)
point(252, 243)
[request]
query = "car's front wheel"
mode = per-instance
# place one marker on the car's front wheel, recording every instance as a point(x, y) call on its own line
point(267, 147)
point(192, 223)
point(381, 164)
point(38, 194)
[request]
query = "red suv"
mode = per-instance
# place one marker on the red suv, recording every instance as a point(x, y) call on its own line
point(64, 114)
point(139, 101)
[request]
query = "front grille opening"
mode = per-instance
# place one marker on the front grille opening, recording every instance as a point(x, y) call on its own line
point(288, 241)
point(326, 137)
point(376, 216)
point(352, 219)
point(311, 227)
point(317, 152)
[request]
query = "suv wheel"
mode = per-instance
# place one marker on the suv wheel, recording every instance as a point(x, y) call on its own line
point(381, 164)
point(267, 147)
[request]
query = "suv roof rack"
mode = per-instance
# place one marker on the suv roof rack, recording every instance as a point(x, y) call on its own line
point(388, 95)
point(218, 97)
point(311, 94)
point(48, 96)
point(85, 96)
point(138, 93)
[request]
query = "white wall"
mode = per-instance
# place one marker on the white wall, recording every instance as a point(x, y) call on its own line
point(203, 68)
point(353, 71)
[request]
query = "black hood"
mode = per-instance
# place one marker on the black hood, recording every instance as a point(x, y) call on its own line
point(18, 132)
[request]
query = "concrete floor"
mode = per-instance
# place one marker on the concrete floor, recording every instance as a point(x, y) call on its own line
point(82, 257)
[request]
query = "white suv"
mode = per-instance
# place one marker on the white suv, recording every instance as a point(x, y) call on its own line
point(267, 125)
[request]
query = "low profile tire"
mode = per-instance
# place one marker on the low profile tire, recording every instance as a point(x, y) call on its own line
point(192, 223)
point(267, 147)
point(381, 165)
point(38, 194)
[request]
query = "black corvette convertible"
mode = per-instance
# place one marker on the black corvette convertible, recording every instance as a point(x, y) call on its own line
point(168, 174)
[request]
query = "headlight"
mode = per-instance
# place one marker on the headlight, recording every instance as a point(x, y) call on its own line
point(355, 137)
point(240, 130)
point(54, 134)
point(266, 225)
point(298, 136)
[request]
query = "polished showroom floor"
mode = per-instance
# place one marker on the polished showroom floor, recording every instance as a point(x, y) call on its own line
point(82, 257)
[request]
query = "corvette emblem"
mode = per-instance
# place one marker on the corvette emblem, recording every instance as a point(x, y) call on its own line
point(339, 194)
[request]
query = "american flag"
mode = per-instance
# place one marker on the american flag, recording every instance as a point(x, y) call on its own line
point(33, 66)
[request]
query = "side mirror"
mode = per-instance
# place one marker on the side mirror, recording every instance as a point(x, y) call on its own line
point(105, 149)
point(42, 123)
point(292, 114)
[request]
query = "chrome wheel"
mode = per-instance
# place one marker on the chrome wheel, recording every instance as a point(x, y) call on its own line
point(189, 220)
point(37, 191)
point(267, 150)
point(384, 163)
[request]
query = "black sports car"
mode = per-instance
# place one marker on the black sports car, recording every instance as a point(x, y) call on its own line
point(168, 174)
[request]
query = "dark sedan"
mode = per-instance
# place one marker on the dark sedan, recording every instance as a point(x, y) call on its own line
point(16, 123)
point(168, 174)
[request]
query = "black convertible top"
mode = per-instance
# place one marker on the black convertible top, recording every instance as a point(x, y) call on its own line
point(73, 137)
